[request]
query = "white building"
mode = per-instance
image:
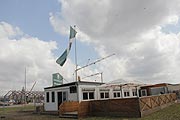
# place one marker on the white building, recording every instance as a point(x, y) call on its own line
point(55, 95)
point(85, 91)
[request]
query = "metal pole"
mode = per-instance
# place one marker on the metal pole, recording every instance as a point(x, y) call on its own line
point(102, 77)
point(76, 70)
point(75, 59)
point(25, 87)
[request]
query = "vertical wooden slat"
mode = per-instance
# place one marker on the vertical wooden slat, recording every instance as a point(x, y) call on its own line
point(68, 107)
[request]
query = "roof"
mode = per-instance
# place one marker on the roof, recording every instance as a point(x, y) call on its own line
point(122, 82)
point(155, 85)
point(125, 81)
point(75, 83)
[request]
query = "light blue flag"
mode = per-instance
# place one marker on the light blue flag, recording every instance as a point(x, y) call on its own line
point(72, 33)
point(62, 59)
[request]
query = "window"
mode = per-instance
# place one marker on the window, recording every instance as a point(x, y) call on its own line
point(64, 96)
point(91, 95)
point(126, 94)
point(88, 95)
point(143, 92)
point(73, 89)
point(104, 95)
point(157, 90)
point(117, 94)
point(85, 96)
point(47, 96)
point(134, 92)
point(114, 95)
point(53, 96)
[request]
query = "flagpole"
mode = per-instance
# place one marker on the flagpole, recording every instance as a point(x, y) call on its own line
point(75, 58)
point(76, 69)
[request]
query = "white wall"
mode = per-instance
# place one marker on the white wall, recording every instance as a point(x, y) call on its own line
point(111, 92)
point(53, 106)
point(50, 106)
point(80, 92)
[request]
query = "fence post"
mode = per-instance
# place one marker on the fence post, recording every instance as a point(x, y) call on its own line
point(139, 106)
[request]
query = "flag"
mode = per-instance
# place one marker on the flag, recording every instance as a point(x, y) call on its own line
point(62, 59)
point(72, 35)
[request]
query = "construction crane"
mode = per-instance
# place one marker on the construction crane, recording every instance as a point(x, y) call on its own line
point(95, 75)
point(93, 62)
point(33, 86)
point(77, 69)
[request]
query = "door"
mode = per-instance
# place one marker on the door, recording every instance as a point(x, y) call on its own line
point(59, 94)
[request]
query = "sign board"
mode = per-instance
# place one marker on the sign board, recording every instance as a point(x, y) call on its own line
point(57, 79)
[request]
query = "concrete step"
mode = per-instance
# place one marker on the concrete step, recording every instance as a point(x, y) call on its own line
point(73, 115)
point(56, 113)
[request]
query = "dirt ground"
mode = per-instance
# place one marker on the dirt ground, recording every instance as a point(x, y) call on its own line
point(21, 113)
point(28, 115)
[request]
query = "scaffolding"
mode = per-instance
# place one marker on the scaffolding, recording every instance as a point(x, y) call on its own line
point(23, 97)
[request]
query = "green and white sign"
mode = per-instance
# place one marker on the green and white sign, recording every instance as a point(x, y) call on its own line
point(57, 79)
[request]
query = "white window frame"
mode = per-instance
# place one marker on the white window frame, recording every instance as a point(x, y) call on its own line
point(116, 92)
point(104, 92)
point(88, 95)
point(134, 92)
point(127, 91)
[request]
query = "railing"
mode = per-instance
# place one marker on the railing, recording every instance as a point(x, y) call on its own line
point(150, 104)
point(138, 107)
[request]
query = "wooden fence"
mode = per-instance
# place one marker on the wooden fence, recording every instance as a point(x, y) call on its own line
point(84, 109)
point(126, 107)
point(151, 104)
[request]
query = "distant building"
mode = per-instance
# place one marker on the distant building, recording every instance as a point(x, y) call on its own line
point(155, 89)
point(174, 88)
point(161, 88)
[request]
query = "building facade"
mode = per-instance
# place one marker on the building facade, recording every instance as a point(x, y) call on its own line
point(55, 95)
point(86, 91)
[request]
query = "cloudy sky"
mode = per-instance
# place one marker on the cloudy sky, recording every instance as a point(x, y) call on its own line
point(144, 35)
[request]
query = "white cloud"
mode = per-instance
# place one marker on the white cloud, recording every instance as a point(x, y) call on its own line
point(30, 52)
point(132, 30)
point(7, 30)
point(173, 19)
